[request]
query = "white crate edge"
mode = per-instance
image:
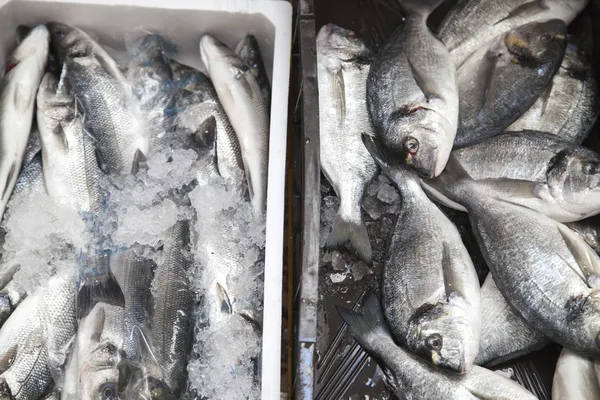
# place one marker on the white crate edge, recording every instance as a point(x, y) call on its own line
point(279, 13)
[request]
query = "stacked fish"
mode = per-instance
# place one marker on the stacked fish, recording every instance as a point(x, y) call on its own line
point(114, 321)
point(487, 117)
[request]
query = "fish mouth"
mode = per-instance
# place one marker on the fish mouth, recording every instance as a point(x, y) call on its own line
point(426, 166)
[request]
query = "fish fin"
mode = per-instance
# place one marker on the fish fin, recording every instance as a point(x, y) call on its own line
point(487, 69)
point(382, 156)
point(224, 300)
point(99, 318)
point(527, 8)
point(138, 157)
point(427, 85)
point(586, 258)
point(339, 94)
point(368, 325)
point(545, 97)
point(423, 7)
point(453, 181)
point(344, 231)
point(104, 289)
point(22, 98)
point(451, 279)
point(9, 178)
point(249, 180)
point(61, 138)
point(518, 187)
point(251, 319)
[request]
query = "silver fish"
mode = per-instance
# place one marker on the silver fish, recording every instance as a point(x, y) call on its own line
point(34, 339)
point(200, 106)
point(589, 230)
point(11, 295)
point(411, 378)
point(569, 106)
point(533, 169)
point(343, 66)
point(170, 317)
point(242, 99)
point(472, 24)
point(576, 377)
point(504, 334)
point(249, 52)
point(412, 93)
point(499, 82)
point(152, 84)
point(25, 68)
point(31, 177)
point(546, 272)
point(430, 292)
point(109, 118)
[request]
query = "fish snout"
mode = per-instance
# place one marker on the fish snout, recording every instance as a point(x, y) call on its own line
point(425, 162)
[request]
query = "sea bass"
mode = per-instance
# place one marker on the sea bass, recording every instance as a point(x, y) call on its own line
point(504, 334)
point(546, 272)
point(249, 52)
point(472, 24)
point(412, 93)
point(576, 377)
point(569, 106)
point(343, 65)
point(109, 117)
point(430, 288)
point(533, 169)
point(242, 99)
point(499, 82)
point(411, 378)
point(24, 70)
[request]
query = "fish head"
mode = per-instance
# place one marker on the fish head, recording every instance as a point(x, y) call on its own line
point(573, 178)
point(100, 384)
point(34, 47)
point(53, 107)
point(215, 54)
point(442, 335)
point(68, 41)
point(538, 43)
point(423, 138)
point(104, 373)
point(147, 51)
point(341, 45)
point(248, 50)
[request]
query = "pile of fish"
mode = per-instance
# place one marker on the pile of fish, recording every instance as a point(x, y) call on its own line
point(487, 116)
point(135, 195)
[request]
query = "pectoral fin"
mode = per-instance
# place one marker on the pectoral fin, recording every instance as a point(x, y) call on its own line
point(425, 82)
point(530, 8)
point(517, 187)
point(588, 264)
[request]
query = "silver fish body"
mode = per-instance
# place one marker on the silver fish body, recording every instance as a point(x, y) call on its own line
point(412, 93)
point(575, 377)
point(504, 334)
point(343, 67)
point(533, 169)
point(569, 106)
point(242, 99)
point(430, 292)
point(109, 117)
point(170, 317)
point(473, 24)
point(152, 84)
point(25, 68)
point(411, 378)
point(35, 338)
point(501, 81)
point(31, 177)
point(547, 273)
point(249, 52)
point(200, 102)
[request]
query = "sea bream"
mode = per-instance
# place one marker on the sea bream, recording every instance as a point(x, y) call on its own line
point(242, 99)
point(500, 81)
point(430, 289)
point(576, 377)
point(412, 92)
point(471, 24)
point(343, 65)
point(24, 70)
point(533, 169)
point(413, 379)
point(545, 271)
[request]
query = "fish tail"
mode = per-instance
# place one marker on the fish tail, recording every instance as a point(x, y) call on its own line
point(423, 7)
point(104, 289)
point(368, 326)
point(355, 232)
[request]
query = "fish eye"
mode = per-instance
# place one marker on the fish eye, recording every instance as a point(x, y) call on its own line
point(352, 36)
point(546, 37)
point(108, 392)
point(434, 342)
point(411, 145)
point(590, 169)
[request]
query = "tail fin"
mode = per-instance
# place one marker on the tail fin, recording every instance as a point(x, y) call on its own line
point(367, 326)
point(104, 289)
point(423, 7)
point(345, 231)
point(452, 181)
